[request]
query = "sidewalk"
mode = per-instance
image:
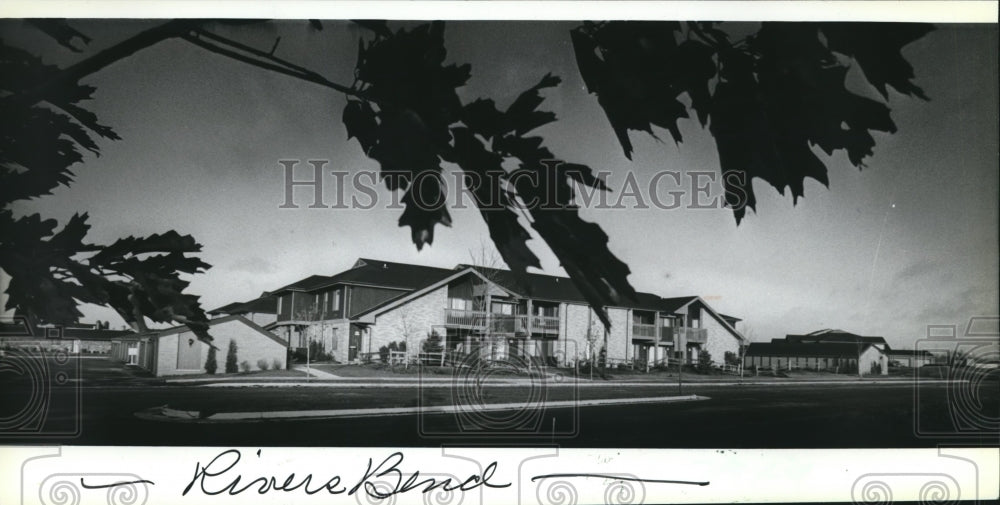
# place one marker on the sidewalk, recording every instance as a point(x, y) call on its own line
point(368, 383)
point(165, 413)
point(316, 372)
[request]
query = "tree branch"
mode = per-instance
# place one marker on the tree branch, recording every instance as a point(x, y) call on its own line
point(102, 59)
point(261, 59)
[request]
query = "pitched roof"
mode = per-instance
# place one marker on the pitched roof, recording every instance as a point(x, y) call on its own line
point(828, 335)
point(562, 289)
point(93, 334)
point(537, 286)
point(265, 304)
point(371, 272)
point(790, 349)
point(911, 352)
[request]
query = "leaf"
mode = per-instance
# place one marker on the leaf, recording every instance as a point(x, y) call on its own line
point(404, 78)
point(484, 176)
point(877, 47)
point(359, 118)
point(786, 93)
point(633, 69)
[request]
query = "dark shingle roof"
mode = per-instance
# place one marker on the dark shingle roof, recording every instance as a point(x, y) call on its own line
point(266, 304)
point(826, 336)
point(538, 286)
point(804, 350)
point(374, 273)
point(562, 289)
point(93, 334)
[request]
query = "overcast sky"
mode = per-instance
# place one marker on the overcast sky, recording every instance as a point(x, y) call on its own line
point(909, 241)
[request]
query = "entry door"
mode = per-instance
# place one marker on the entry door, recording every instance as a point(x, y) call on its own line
point(354, 343)
point(133, 353)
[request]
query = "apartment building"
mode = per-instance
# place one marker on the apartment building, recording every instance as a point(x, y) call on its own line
point(489, 312)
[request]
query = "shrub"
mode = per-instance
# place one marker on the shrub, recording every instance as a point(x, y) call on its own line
point(263, 364)
point(731, 358)
point(402, 346)
point(276, 364)
point(432, 343)
point(211, 364)
point(383, 354)
point(231, 359)
point(245, 366)
point(317, 351)
point(704, 361)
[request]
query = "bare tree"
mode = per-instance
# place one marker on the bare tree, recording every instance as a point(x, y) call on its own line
point(490, 266)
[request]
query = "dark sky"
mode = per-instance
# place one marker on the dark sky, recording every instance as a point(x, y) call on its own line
point(909, 241)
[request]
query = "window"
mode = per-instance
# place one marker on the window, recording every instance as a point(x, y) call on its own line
point(279, 304)
point(503, 308)
point(460, 304)
point(335, 306)
point(546, 310)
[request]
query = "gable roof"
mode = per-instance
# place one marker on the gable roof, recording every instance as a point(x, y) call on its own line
point(93, 334)
point(828, 336)
point(211, 322)
point(795, 349)
point(265, 304)
point(369, 272)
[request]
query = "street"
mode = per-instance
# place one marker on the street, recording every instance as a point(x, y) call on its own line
point(766, 416)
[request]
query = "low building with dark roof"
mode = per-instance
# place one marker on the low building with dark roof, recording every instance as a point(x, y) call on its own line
point(829, 350)
point(911, 358)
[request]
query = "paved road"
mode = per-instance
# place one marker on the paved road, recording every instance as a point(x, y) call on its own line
point(738, 417)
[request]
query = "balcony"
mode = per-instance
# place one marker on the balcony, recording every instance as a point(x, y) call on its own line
point(548, 325)
point(471, 319)
point(691, 335)
point(501, 323)
point(642, 331)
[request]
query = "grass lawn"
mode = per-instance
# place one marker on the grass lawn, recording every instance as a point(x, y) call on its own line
point(383, 370)
point(257, 374)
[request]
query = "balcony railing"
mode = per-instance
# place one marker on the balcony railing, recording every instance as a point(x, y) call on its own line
point(545, 324)
point(641, 330)
point(466, 318)
point(691, 335)
point(501, 323)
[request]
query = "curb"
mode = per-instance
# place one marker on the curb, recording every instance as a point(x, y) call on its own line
point(165, 413)
point(609, 384)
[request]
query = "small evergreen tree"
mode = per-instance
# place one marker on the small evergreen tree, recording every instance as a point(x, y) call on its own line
point(433, 343)
point(211, 365)
point(704, 361)
point(232, 362)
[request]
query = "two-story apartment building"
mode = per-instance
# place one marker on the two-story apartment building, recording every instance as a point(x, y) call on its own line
point(491, 312)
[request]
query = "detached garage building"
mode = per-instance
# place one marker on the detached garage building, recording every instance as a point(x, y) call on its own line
point(177, 350)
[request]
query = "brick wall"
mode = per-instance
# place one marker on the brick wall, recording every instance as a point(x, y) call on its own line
point(719, 340)
point(419, 316)
point(618, 339)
